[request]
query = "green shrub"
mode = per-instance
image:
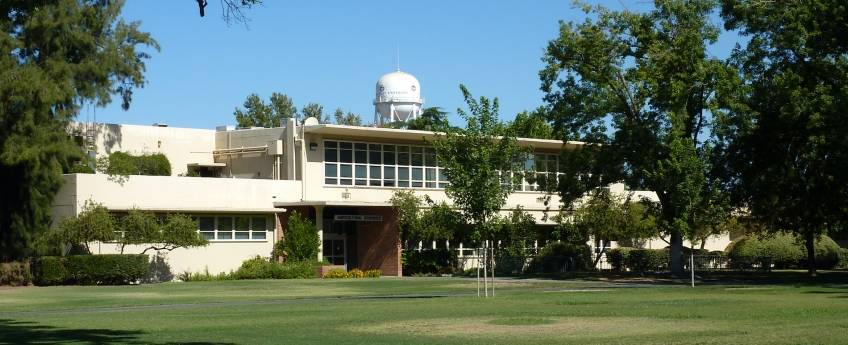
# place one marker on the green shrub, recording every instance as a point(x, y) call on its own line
point(106, 269)
point(828, 253)
point(430, 261)
point(782, 249)
point(561, 257)
point(373, 274)
point(50, 270)
point(647, 260)
point(15, 273)
point(617, 258)
point(300, 240)
point(785, 251)
point(260, 268)
point(843, 258)
point(123, 164)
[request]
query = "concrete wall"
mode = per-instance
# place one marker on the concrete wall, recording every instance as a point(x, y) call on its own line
point(378, 244)
point(191, 195)
point(181, 145)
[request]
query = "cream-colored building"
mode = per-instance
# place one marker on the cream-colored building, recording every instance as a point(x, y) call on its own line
point(252, 179)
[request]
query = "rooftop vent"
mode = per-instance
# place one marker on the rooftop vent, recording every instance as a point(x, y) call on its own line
point(160, 124)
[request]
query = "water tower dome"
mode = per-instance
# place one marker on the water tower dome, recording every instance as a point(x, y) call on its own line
point(398, 98)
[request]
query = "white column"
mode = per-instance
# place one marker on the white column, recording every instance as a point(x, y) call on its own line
point(319, 223)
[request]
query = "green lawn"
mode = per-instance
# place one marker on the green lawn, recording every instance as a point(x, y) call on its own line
point(426, 311)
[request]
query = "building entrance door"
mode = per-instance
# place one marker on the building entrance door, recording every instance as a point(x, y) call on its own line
point(334, 249)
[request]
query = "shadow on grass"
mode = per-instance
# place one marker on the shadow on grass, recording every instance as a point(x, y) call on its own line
point(827, 278)
point(24, 332)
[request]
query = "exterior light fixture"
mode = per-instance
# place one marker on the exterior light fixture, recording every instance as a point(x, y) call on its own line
point(313, 146)
point(346, 194)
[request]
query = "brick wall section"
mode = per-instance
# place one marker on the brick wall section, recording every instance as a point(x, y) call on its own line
point(378, 243)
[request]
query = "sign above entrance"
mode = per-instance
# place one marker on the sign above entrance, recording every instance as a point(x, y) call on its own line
point(358, 217)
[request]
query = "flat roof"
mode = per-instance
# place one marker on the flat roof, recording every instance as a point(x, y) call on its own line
point(330, 203)
point(409, 134)
point(200, 209)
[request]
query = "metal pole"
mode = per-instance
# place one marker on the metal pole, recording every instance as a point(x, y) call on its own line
point(493, 272)
point(485, 268)
point(692, 266)
point(478, 277)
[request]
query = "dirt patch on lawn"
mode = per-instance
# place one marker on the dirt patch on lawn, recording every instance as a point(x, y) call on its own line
point(546, 327)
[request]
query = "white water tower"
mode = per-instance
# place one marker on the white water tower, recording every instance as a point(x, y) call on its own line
point(398, 98)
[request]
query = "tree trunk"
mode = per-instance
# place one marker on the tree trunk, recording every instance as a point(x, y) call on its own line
point(675, 253)
point(809, 242)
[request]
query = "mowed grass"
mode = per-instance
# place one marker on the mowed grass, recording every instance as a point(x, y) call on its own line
point(425, 311)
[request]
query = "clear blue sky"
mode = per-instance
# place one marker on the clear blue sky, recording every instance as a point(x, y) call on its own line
point(332, 52)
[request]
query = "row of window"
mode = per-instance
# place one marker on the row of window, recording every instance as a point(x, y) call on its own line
point(234, 227)
point(378, 165)
point(382, 165)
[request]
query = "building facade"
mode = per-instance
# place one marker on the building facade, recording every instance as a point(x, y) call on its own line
point(242, 184)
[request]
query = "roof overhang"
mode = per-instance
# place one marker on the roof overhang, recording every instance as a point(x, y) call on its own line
point(416, 135)
point(207, 165)
point(199, 209)
point(330, 203)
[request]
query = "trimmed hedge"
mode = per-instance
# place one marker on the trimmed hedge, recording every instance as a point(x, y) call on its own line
point(50, 270)
point(429, 261)
point(638, 260)
point(785, 251)
point(15, 273)
point(561, 257)
point(648, 260)
point(104, 269)
point(261, 268)
point(122, 163)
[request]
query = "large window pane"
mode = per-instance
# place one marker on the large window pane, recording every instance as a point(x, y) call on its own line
point(346, 156)
point(360, 156)
point(375, 156)
point(360, 146)
point(417, 159)
point(242, 228)
point(375, 172)
point(259, 227)
point(331, 155)
point(345, 145)
point(361, 172)
point(417, 174)
point(331, 170)
point(403, 174)
point(346, 170)
point(207, 227)
point(225, 228)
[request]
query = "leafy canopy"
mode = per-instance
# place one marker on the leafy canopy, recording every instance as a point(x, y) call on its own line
point(59, 55)
point(642, 85)
point(473, 159)
point(257, 113)
point(784, 133)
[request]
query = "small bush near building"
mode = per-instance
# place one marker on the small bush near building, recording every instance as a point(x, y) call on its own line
point(562, 257)
point(300, 240)
point(261, 268)
point(647, 260)
point(15, 273)
point(618, 257)
point(430, 261)
point(105, 269)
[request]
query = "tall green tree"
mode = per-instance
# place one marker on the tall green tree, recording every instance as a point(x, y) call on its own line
point(257, 113)
point(58, 55)
point(608, 217)
point(315, 110)
point(642, 85)
point(786, 143)
point(473, 159)
point(431, 119)
point(532, 125)
point(349, 119)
